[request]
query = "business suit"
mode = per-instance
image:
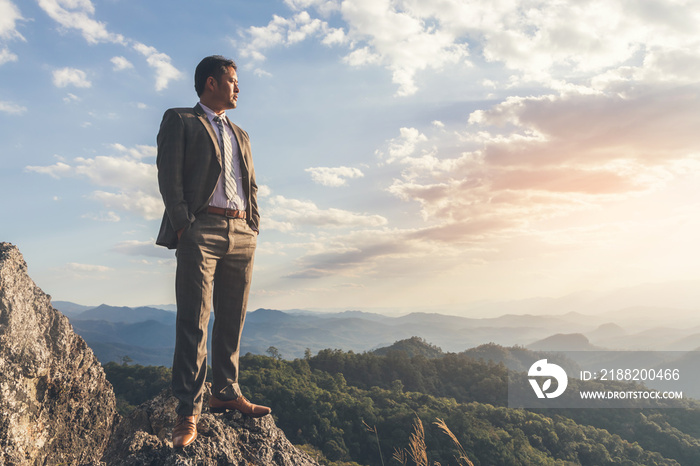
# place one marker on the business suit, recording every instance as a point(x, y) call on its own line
point(189, 165)
point(214, 253)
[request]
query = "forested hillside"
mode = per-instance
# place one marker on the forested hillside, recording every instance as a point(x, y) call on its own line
point(335, 401)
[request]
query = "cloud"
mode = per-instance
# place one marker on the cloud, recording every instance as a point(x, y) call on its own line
point(9, 16)
point(139, 151)
point(103, 217)
point(324, 6)
point(648, 124)
point(401, 40)
point(528, 159)
point(121, 63)
point(165, 71)
point(333, 176)
point(57, 170)
point(11, 108)
point(286, 32)
point(306, 213)
point(134, 183)
point(70, 77)
point(71, 98)
point(6, 56)
point(77, 14)
point(366, 252)
point(405, 145)
point(378, 32)
point(142, 248)
point(142, 203)
point(87, 268)
point(538, 42)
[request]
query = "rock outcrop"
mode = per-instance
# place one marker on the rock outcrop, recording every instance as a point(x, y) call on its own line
point(143, 438)
point(56, 407)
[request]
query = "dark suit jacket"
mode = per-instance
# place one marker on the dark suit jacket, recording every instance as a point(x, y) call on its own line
point(189, 164)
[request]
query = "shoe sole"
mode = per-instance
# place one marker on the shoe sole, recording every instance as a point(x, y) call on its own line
point(186, 444)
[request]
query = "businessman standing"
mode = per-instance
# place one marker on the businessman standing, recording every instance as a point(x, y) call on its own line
point(207, 180)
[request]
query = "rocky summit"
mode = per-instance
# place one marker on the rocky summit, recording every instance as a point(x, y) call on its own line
point(144, 438)
point(56, 406)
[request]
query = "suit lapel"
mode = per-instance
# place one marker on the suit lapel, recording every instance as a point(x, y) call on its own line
point(199, 111)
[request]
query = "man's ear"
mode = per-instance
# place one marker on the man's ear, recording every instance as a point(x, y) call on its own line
point(211, 83)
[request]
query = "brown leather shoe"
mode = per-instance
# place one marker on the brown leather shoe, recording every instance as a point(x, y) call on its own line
point(185, 431)
point(240, 404)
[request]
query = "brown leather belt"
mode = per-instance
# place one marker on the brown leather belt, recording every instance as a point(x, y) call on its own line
point(228, 213)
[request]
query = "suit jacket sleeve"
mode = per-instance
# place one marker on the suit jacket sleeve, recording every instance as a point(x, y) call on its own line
point(254, 213)
point(170, 161)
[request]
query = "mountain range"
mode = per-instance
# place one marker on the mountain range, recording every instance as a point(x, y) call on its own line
point(146, 334)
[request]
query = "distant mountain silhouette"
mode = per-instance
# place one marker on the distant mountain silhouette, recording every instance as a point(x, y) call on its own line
point(564, 342)
point(263, 316)
point(608, 330)
point(517, 358)
point(413, 346)
point(70, 309)
point(126, 314)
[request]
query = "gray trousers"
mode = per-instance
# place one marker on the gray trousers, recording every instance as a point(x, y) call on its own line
point(214, 255)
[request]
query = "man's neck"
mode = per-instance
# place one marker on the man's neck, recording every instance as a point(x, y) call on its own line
point(207, 107)
point(213, 107)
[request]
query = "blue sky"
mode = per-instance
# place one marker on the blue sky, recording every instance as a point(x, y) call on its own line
point(410, 154)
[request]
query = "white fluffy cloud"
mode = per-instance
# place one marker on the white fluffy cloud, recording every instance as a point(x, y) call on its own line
point(402, 41)
point(286, 32)
point(289, 214)
point(161, 63)
point(88, 268)
point(70, 77)
point(333, 176)
point(6, 56)
point(121, 63)
point(133, 182)
point(9, 16)
point(536, 39)
point(11, 108)
point(78, 15)
point(532, 158)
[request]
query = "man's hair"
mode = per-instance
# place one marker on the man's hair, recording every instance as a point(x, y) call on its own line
point(214, 66)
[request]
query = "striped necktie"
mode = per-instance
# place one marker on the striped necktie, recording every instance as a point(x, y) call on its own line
point(225, 145)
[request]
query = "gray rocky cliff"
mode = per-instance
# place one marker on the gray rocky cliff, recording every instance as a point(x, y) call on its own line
point(143, 438)
point(56, 406)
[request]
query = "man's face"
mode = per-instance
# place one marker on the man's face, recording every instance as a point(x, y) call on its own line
point(226, 89)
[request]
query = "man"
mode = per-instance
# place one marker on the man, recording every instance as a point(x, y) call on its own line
point(207, 180)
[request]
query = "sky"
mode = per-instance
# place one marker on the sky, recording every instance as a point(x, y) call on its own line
point(410, 154)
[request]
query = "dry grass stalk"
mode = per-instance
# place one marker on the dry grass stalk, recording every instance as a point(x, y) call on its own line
point(416, 444)
point(462, 460)
point(400, 456)
point(373, 430)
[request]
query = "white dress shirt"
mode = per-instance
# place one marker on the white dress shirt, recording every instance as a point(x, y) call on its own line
point(219, 198)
